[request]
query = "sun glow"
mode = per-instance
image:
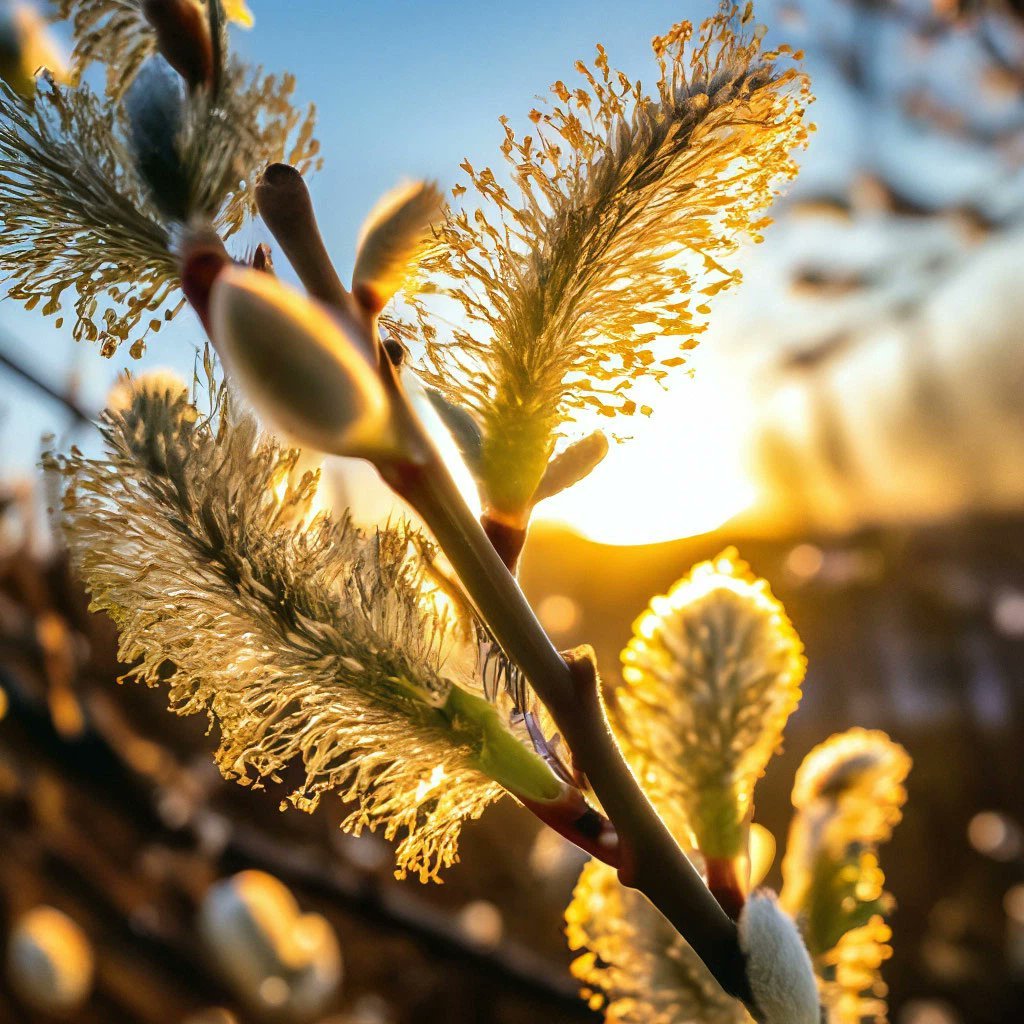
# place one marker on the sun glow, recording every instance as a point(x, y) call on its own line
point(680, 474)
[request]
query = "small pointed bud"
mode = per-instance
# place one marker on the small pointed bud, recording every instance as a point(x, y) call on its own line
point(576, 463)
point(155, 104)
point(183, 38)
point(263, 259)
point(287, 209)
point(778, 965)
point(394, 238)
point(763, 847)
point(397, 353)
point(301, 365)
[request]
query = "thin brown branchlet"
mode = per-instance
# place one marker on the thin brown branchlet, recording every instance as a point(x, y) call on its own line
point(595, 269)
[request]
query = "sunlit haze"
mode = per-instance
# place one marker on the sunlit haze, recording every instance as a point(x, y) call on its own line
point(676, 474)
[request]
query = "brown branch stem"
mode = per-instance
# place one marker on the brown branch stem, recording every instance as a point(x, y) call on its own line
point(41, 386)
point(651, 861)
point(287, 209)
point(725, 883)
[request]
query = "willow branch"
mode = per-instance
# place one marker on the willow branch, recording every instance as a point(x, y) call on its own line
point(49, 391)
point(650, 859)
point(645, 853)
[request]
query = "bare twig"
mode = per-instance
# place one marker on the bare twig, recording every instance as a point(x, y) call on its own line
point(649, 859)
point(29, 377)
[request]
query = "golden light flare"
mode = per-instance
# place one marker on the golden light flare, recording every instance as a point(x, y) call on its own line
point(681, 473)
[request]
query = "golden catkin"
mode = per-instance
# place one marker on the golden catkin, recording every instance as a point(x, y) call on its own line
point(848, 797)
point(633, 964)
point(710, 677)
point(596, 268)
point(304, 639)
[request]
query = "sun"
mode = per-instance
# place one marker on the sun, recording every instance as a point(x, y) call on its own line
point(681, 472)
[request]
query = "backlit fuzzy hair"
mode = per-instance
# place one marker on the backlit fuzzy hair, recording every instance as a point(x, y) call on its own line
point(304, 639)
point(75, 212)
point(596, 269)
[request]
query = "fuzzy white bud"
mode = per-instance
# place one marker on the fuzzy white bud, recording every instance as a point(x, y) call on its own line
point(778, 965)
point(277, 959)
point(394, 237)
point(301, 365)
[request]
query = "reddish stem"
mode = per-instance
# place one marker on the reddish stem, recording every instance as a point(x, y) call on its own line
point(203, 258)
point(724, 883)
point(507, 539)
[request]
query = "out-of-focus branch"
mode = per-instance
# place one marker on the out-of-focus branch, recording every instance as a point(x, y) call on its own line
point(40, 385)
point(386, 906)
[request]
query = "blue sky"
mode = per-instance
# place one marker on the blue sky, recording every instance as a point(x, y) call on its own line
point(407, 88)
point(403, 89)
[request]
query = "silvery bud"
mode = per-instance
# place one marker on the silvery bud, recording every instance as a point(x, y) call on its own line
point(301, 365)
point(50, 962)
point(278, 959)
point(778, 965)
point(155, 104)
